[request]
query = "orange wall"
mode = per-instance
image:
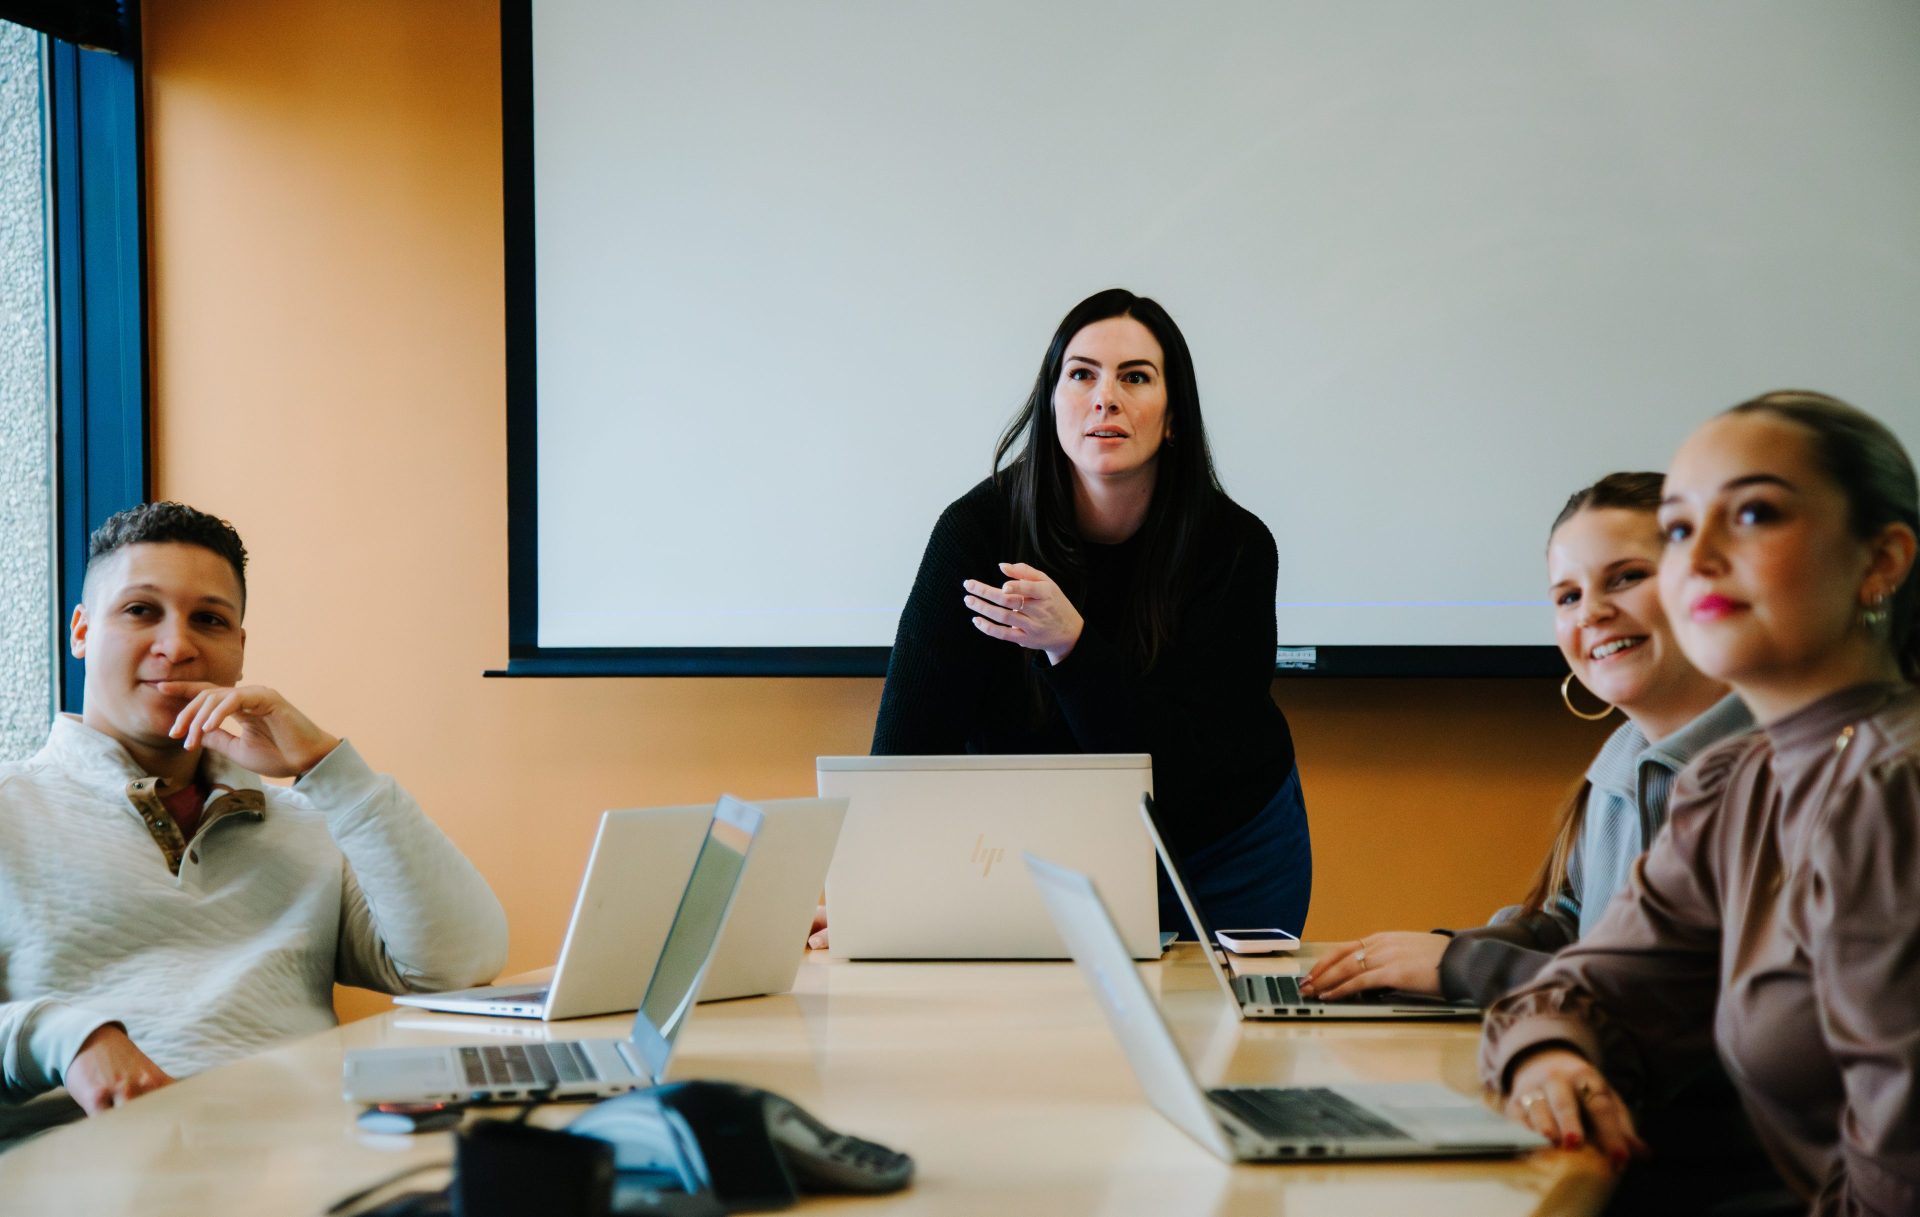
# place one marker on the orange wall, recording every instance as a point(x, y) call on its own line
point(327, 349)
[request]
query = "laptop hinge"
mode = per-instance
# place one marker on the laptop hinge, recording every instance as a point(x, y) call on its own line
point(630, 1056)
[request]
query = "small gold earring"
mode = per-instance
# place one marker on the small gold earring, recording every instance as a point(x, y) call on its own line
point(1875, 613)
point(1566, 695)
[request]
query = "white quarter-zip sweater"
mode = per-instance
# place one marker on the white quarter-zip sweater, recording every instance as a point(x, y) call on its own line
point(281, 893)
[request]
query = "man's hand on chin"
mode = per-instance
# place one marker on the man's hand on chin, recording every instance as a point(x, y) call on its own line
point(109, 1070)
point(251, 725)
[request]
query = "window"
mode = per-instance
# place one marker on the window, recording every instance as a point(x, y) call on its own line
point(28, 596)
point(73, 374)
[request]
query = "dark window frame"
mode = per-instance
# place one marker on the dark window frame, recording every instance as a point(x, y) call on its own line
point(98, 305)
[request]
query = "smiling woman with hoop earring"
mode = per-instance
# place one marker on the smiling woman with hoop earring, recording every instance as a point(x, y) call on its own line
point(1603, 554)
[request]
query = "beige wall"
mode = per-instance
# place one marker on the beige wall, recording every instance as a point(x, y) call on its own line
point(326, 292)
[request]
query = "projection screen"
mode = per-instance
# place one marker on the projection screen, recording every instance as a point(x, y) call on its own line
point(778, 274)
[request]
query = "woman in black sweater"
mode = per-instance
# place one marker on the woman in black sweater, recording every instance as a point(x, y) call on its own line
point(1101, 593)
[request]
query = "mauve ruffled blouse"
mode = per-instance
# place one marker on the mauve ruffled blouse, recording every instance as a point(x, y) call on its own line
point(1776, 921)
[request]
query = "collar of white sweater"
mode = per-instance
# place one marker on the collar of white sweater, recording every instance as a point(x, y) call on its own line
point(99, 760)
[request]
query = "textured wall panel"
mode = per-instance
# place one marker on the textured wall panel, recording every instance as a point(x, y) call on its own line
point(26, 494)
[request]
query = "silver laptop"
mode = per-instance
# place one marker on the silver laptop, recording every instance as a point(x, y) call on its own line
point(1257, 995)
point(766, 934)
point(627, 898)
point(590, 1068)
point(929, 860)
point(1261, 1123)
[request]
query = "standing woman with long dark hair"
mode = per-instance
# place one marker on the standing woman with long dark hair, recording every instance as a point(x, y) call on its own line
point(1101, 593)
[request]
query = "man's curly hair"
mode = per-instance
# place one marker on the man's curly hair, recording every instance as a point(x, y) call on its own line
point(156, 522)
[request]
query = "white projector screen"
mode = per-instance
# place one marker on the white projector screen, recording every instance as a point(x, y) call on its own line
point(784, 270)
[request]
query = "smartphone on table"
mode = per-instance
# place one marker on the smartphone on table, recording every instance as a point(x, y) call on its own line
point(1257, 942)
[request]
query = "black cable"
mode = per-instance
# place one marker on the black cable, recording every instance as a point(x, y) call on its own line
point(531, 1101)
point(526, 1105)
point(347, 1202)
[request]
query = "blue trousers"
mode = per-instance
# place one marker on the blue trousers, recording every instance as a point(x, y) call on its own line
point(1259, 876)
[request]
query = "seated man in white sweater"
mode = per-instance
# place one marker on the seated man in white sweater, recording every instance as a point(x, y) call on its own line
point(161, 909)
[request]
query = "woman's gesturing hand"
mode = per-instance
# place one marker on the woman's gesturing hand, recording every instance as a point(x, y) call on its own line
point(1029, 609)
point(1555, 1091)
point(1403, 959)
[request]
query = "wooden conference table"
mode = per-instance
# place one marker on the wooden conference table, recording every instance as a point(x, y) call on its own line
point(1001, 1079)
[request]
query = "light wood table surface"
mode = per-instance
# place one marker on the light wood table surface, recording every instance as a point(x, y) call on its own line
point(1001, 1079)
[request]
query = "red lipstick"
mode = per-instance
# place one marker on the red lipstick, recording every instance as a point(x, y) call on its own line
point(1714, 608)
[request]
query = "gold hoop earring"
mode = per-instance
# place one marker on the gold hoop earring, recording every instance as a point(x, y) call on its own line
point(1566, 695)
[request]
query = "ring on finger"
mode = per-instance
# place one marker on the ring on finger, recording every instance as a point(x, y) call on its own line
point(1528, 1099)
point(1585, 1088)
point(1360, 957)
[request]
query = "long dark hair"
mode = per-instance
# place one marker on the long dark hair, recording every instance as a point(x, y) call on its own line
point(1873, 471)
point(1039, 477)
point(1630, 492)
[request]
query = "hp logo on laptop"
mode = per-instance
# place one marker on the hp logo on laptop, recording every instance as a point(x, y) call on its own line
point(984, 855)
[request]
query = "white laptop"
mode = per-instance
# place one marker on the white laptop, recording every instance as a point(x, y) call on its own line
point(1261, 1123)
point(929, 860)
point(586, 1068)
point(628, 897)
point(635, 876)
point(766, 936)
point(1259, 995)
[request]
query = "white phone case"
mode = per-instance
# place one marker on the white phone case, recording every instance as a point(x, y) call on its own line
point(1270, 946)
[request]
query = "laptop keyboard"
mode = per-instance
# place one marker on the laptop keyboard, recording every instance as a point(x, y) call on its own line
point(1266, 990)
point(1305, 1114)
point(1274, 990)
point(527, 1065)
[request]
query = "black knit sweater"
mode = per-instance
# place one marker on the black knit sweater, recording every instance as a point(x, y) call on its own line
point(1204, 711)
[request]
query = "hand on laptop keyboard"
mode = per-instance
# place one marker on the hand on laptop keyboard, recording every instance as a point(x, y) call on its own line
point(1402, 960)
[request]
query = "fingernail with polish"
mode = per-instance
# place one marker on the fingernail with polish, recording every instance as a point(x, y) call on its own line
point(1573, 1140)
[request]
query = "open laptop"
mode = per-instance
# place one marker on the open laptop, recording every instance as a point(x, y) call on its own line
point(766, 936)
point(1258, 995)
point(928, 863)
point(635, 877)
point(589, 1068)
point(1261, 1123)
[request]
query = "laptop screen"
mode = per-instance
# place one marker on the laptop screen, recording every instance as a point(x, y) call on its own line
point(689, 946)
point(1151, 814)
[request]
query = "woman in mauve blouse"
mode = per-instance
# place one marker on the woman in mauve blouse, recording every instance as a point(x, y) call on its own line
point(1776, 920)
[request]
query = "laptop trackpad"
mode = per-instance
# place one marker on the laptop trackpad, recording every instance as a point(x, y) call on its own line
point(400, 1071)
point(1440, 1116)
